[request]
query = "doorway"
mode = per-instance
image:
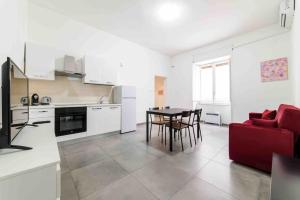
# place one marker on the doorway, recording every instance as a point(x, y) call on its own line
point(160, 91)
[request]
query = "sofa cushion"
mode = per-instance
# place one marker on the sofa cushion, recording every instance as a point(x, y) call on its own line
point(255, 115)
point(269, 114)
point(265, 123)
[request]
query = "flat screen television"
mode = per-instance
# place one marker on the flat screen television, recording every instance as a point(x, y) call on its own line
point(15, 115)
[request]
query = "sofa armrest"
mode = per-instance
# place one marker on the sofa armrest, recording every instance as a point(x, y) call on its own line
point(254, 115)
point(290, 120)
point(264, 140)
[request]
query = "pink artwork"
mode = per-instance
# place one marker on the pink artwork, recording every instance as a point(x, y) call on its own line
point(274, 70)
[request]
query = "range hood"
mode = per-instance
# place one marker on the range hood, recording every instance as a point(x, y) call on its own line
point(69, 66)
point(69, 74)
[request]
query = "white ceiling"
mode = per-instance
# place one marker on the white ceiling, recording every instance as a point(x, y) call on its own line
point(202, 22)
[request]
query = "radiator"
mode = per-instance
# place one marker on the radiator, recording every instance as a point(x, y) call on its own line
point(213, 118)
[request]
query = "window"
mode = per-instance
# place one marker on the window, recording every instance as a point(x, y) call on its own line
point(211, 81)
point(206, 84)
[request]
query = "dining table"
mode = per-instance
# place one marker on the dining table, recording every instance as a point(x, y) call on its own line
point(172, 113)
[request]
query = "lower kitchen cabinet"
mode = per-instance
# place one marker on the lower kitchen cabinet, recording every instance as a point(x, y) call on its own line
point(42, 116)
point(103, 119)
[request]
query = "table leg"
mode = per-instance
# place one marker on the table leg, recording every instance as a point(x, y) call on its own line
point(198, 126)
point(147, 127)
point(171, 138)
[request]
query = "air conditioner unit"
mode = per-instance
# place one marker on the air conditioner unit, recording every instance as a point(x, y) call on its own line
point(286, 14)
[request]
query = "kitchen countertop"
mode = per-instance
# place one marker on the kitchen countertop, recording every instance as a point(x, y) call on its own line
point(44, 153)
point(67, 104)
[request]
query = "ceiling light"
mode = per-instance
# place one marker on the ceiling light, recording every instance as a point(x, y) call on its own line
point(169, 11)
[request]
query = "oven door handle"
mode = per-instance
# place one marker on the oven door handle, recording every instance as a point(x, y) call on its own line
point(70, 115)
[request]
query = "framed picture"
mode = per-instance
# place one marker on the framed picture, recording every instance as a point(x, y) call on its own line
point(160, 92)
point(274, 70)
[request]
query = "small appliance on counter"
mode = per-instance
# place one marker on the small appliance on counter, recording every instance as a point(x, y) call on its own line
point(45, 100)
point(35, 99)
point(24, 101)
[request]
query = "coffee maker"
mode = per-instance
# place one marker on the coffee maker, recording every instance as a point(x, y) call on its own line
point(35, 99)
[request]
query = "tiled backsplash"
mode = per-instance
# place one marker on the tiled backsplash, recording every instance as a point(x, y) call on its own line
point(65, 90)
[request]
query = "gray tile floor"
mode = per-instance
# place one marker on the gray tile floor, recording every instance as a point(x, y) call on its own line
point(115, 166)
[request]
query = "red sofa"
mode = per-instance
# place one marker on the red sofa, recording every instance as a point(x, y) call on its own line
point(253, 142)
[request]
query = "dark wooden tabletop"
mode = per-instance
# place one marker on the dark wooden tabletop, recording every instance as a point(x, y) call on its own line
point(168, 112)
point(285, 178)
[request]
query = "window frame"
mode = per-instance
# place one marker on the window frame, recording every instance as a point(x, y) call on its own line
point(214, 65)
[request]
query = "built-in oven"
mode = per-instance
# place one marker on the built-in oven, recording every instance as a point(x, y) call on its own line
point(70, 120)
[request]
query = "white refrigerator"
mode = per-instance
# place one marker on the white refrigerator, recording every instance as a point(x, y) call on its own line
point(126, 96)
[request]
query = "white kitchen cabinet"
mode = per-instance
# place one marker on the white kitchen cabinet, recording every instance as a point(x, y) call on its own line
point(40, 62)
point(94, 116)
point(92, 70)
point(98, 71)
point(109, 74)
point(103, 119)
point(20, 114)
point(111, 116)
point(42, 115)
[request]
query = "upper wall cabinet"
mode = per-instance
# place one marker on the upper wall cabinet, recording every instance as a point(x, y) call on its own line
point(97, 71)
point(40, 62)
point(109, 74)
point(91, 68)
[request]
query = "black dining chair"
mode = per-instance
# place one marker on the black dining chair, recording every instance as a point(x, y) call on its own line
point(196, 116)
point(157, 120)
point(179, 125)
point(166, 118)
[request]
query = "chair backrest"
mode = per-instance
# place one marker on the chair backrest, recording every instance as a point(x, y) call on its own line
point(185, 114)
point(197, 112)
point(166, 107)
point(154, 108)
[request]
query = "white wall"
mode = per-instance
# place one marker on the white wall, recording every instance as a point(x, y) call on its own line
point(13, 18)
point(247, 92)
point(140, 64)
point(296, 52)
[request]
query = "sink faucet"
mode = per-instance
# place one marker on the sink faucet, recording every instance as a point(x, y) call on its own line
point(101, 100)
